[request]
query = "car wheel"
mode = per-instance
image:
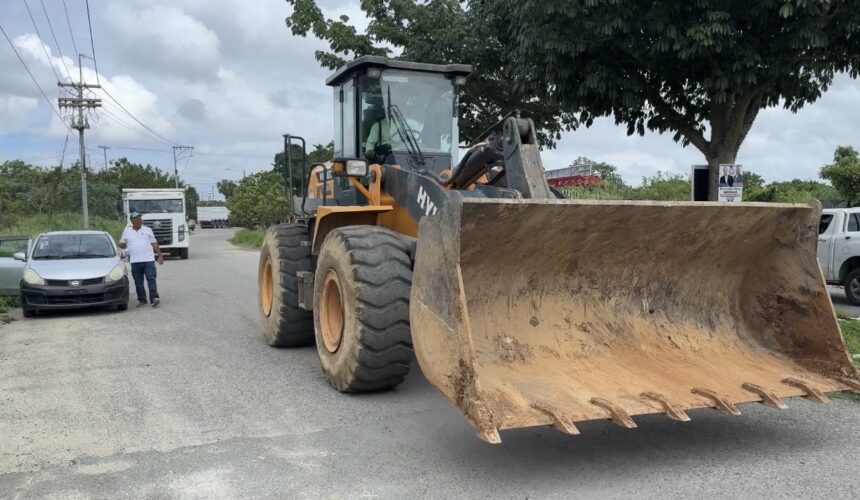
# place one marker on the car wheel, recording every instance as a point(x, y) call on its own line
point(852, 287)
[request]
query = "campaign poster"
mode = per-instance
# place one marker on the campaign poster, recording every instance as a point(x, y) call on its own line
point(731, 185)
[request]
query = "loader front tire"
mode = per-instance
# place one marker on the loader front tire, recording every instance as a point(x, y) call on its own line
point(286, 251)
point(361, 308)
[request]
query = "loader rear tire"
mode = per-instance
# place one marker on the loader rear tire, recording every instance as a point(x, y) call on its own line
point(286, 251)
point(361, 308)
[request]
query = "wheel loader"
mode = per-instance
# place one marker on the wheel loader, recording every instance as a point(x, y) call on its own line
point(522, 308)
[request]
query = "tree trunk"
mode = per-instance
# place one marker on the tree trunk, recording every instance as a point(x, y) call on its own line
point(714, 172)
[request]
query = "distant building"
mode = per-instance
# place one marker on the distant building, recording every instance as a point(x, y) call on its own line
point(574, 175)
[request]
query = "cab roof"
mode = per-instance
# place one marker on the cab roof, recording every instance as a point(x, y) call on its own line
point(361, 65)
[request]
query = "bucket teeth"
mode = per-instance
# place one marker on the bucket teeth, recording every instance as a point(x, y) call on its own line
point(617, 414)
point(490, 436)
point(853, 384)
point(811, 392)
point(559, 421)
point(767, 397)
point(720, 403)
point(672, 410)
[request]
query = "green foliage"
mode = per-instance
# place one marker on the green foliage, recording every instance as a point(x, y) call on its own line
point(441, 32)
point(793, 191)
point(30, 190)
point(226, 188)
point(319, 154)
point(851, 334)
point(844, 173)
point(611, 187)
point(681, 67)
point(251, 238)
point(663, 187)
point(9, 302)
point(34, 224)
point(259, 200)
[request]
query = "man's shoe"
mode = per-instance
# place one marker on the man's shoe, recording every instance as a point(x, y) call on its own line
point(155, 302)
point(141, 304)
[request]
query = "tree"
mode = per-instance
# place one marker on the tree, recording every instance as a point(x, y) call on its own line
point(226, 188)
point(701, 70)
point(441, 32)
point(320, 154)
point(259, 200)
point(611, 187)
point(844, 173)
point(793, 191)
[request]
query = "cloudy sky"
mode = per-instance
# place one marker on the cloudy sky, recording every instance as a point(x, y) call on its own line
point(227, 77)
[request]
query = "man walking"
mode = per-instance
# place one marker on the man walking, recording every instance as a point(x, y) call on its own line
point(141, 250)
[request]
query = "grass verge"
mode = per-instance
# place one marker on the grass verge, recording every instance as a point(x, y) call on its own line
point(851, 334)
point(251, 238)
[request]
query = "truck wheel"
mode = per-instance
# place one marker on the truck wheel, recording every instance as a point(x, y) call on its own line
point(852, 287)
point(286, 251)
point(183, 253)
point(361, 309)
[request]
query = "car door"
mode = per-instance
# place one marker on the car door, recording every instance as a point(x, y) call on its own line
point(827, 228)
point(846, 243)
point(11, 269)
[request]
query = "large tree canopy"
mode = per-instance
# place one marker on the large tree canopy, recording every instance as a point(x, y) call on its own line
point(439, 31)
point(700, 69)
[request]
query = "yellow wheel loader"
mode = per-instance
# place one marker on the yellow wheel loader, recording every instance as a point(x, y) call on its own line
point(522, 308)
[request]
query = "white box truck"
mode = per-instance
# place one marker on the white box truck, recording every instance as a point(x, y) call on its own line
point(212, 216)
point(163, 211)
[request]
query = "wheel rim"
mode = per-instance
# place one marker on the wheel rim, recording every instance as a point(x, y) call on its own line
point(854, 287)
point(331, 312)
point(267, 288)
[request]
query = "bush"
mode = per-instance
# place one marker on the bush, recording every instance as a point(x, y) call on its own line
point(35, 224)
point(252, 238)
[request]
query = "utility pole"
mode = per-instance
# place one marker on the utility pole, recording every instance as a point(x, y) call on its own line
point(105, 148)
point(80, 123)
point(177, 155)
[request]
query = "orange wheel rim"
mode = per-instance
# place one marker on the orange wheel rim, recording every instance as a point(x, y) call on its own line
point(267, 288)
point(331, 312)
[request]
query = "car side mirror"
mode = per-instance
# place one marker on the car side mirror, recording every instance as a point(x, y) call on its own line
point(19, 256)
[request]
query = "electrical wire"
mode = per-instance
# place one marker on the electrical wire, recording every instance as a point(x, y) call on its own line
point(69, 22)
point(59, 50)
point(174, 143)
point(50, 104)
point(92, 43)
point(41, 41)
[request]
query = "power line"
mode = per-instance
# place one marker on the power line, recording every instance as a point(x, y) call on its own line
point(50, 104)
point(41, 41)
point(69, 22)
point(112, 98)
point(125, 124)
point(59, 50)
point(92, 44)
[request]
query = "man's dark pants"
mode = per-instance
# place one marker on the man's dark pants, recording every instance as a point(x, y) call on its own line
point(139, 270)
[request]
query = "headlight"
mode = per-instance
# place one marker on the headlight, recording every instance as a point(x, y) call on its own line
point(33, 278)
point(182, 233)
point(115, 274)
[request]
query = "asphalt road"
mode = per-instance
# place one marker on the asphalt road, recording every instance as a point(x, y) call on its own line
point(837, 295)
point(187, 401)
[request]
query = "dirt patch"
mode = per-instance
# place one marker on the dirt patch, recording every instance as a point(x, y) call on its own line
point(470, 402)
point(510, 349)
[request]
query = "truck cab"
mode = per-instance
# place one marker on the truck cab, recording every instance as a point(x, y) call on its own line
point(839, 249)
point(163, 210)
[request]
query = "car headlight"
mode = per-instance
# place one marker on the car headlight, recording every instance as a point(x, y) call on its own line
point(115, 274)
point(33, 278)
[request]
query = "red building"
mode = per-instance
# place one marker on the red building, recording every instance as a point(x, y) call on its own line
point(575, 175)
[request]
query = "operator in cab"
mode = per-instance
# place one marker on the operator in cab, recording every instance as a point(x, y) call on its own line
point(382, 137)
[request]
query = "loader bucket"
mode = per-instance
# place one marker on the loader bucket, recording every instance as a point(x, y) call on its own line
point(550, 312)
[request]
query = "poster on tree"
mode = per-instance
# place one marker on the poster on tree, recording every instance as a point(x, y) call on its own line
point(731, 184)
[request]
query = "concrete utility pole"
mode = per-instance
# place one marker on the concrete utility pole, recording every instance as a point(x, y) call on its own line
point(105, 148)
point(80, 123)
point(177, 155)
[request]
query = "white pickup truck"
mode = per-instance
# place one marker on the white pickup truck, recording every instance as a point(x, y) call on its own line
point(839, 249)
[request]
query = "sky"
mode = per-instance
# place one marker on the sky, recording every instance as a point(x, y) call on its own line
point(227, 77)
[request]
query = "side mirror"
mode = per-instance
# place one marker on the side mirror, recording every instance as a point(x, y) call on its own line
point(349, 167)
point(19, 256)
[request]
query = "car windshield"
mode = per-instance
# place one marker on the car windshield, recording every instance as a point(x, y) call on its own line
point(155, 206)
point(73, 246)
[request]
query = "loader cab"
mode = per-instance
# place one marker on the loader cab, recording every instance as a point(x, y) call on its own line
point(397, 112)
